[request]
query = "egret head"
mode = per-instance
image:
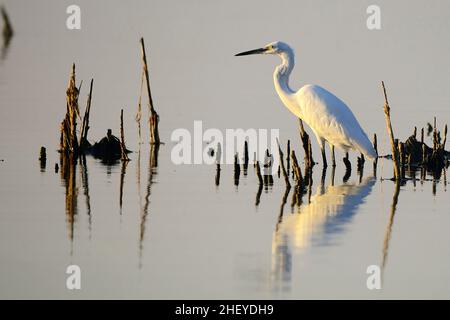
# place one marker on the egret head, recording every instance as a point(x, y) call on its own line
point(276, 47)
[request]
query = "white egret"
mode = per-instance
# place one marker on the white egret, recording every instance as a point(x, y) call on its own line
point(328, 116)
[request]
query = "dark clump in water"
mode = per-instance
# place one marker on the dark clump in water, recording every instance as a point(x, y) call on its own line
point(108, 148)
point(432, 159)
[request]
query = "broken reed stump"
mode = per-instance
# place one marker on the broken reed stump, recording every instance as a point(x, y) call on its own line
point(445, 137)
point(7, 31)
point(218, 160)
point(258, 173)
point(296, 168)
point(217, 178)
point(402, 157)
point(237, 169)
point(139, 111)
point(84, 143)
point(154, 117)
point(268, 163)
point(246, 158)
point(375, 146)
point(435, 135)
point(437, 160)
point(288, 157)
point(68, 140)
point(43, 158)
point(348, 167)
point(306, 141)
point(283, 168)
point(360, 163)
point(395, 156)
point(123, 149)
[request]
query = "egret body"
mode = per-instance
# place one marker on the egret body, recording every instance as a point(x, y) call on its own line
point(329, 117)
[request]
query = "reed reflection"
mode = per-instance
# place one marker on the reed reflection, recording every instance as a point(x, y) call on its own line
point(389, 227)
point(68, 177)
point(123, 171)
point(152, 172)
point(85, 184)
point(314, 223)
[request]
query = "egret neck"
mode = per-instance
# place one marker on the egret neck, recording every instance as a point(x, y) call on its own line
point(281, 80)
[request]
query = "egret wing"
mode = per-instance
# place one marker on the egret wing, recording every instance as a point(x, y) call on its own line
point(330, 118)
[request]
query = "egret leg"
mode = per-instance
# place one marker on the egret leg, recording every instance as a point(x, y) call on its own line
point(347, 163)
point(324, 157)
point(348, 168)
point(333, 157)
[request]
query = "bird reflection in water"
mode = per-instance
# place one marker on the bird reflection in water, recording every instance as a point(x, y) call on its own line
point(315, 222)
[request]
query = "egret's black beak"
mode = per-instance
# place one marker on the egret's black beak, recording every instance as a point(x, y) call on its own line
point(256, 51)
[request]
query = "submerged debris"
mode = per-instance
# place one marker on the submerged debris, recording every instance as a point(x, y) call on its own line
point(108, 148)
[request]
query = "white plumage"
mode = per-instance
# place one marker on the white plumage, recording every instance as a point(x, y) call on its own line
point(331, 120)
point(329, 117)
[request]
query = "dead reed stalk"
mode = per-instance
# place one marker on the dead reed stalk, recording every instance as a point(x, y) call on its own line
point(395, 155)
point(237, 169)
point(154, 117)
point(283, 168)
point(246, 157)
point(258, 173)
point(69, 141)
point(85, 125)
point(8, 31)
point(296, 168)
point(306, 145)
point(375, 146)
point(123, 149)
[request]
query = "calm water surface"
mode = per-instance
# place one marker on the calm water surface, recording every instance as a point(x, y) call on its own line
point(176, 234)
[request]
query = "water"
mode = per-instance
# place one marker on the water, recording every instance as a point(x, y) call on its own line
point(177, 235)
